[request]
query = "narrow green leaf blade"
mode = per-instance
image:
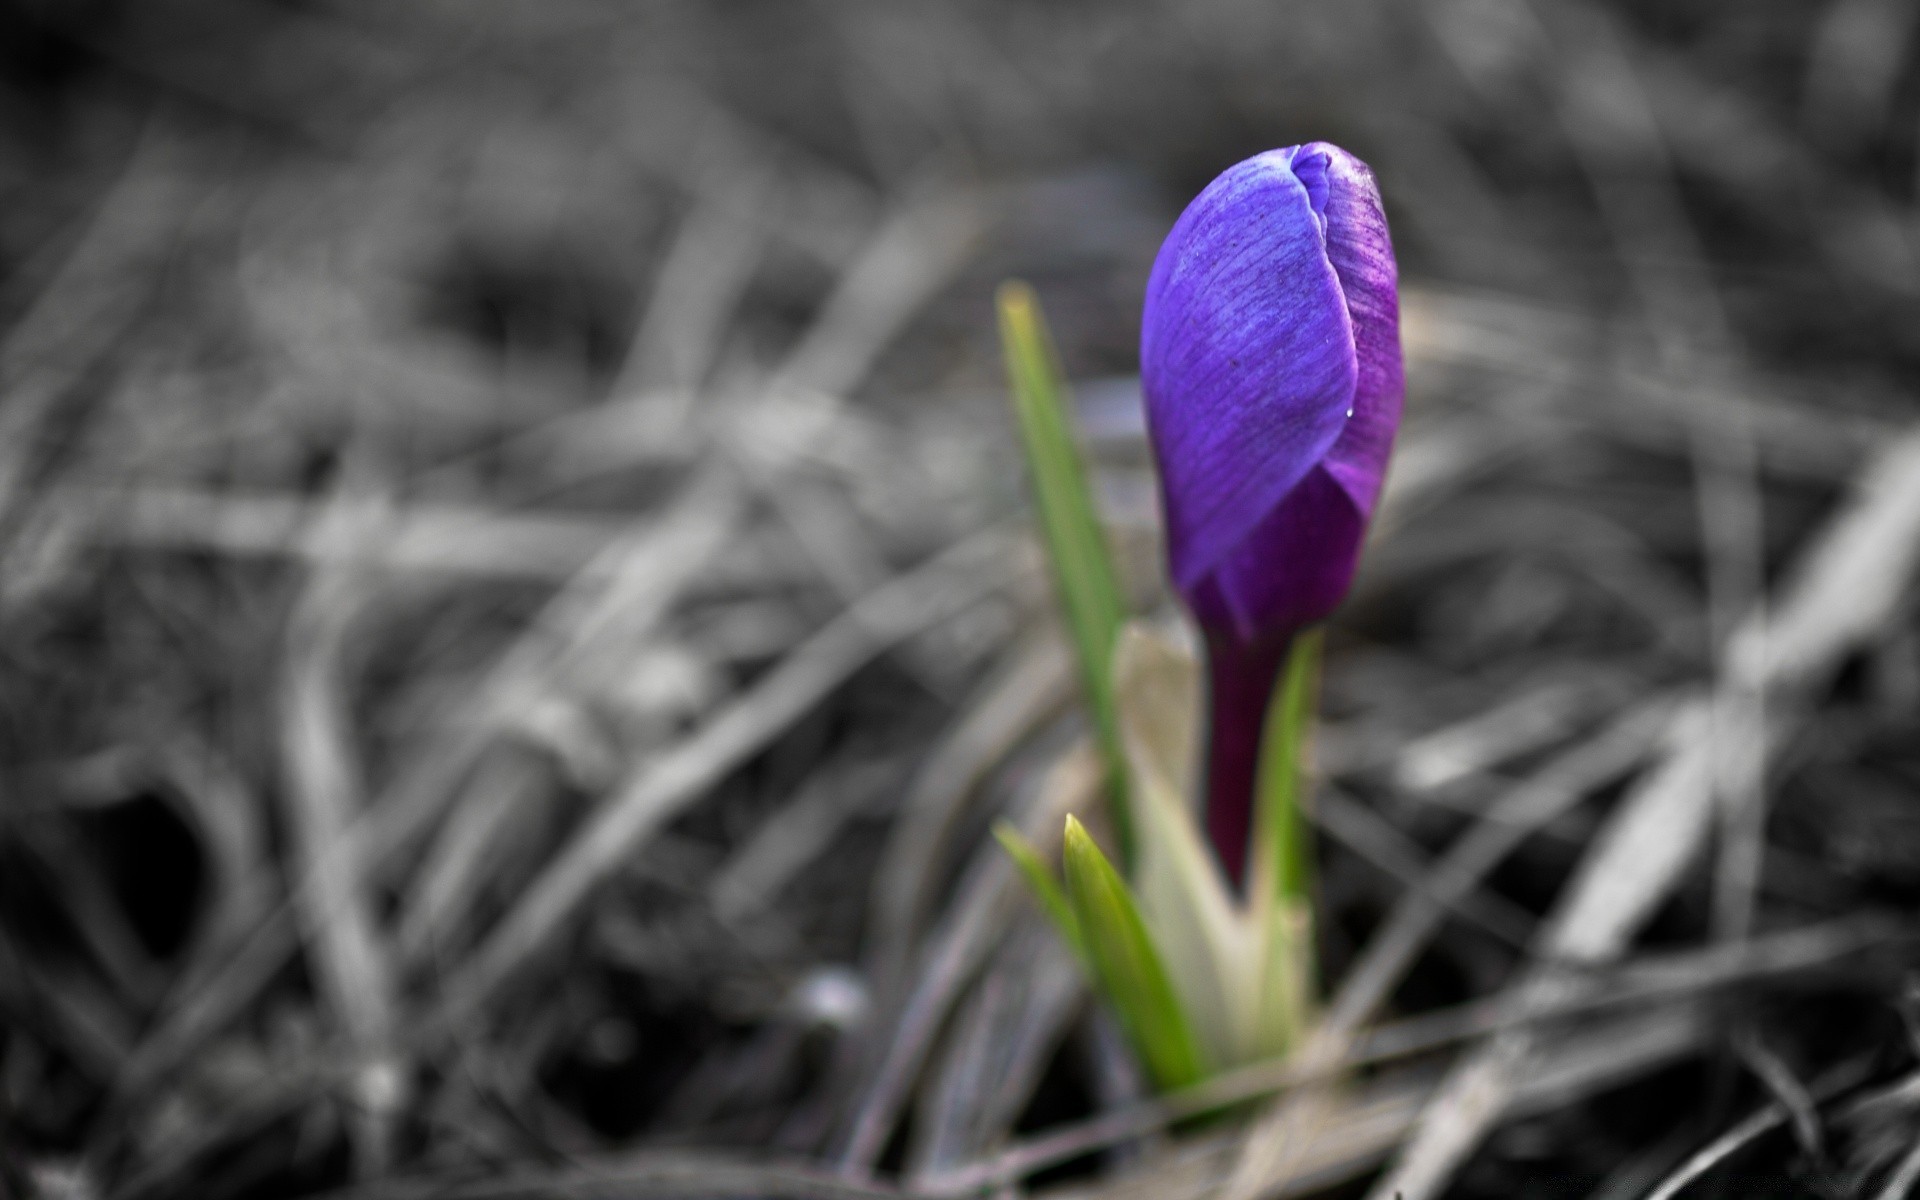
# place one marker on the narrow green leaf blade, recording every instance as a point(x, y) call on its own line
point(1283, 865)
point(1127, 965)
point(1045, 888)
point(1083, 567)
point(1282, 900)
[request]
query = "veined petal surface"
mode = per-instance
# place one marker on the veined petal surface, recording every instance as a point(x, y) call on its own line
point(1270, 357)
point(1246, 357)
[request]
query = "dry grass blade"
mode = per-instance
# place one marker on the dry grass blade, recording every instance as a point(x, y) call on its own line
point(1537, 718)
point(64, 1009)
point(1360, 830)
point(698, 287)
point(1787, 1090)
point(824, 210)
point(1626, 873)
point(87, 897)
point(1755, 1126)
point(955, 949)
point(324, 792)
point(659, 1175)
point(223, 808)
point(433, 539)
point(261, 1105)
point(796, 835)
point(1611, 124)
point(504, 785)
point(88, 303)
point(1509, 820)
point(830, 534)
point(1772, 1117)
point(905, 263)
point(1517, 337)
point(909, 259)
point(1901, 1183)
point(1853, 67)
point(613, 604)
point(1838, 595)
point(1648, 843)
point(192, 1016)
point(666, 784)
point(1007, 710)
point(629, 583)
point(1353, 1135)
point(1002, 1040)
point(1682, 975)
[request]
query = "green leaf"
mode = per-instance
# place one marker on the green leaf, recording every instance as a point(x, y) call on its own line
point(1127, 965)
point(1283, 854)
point(1282, 895)
point(1082, 564)
point(1045, 888)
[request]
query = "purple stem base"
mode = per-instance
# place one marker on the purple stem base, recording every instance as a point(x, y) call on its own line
point(1241, 680)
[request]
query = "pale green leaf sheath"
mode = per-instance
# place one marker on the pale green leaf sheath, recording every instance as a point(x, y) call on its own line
point(1184, 897)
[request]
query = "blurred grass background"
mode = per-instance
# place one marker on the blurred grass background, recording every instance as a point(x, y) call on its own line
point(515, 607)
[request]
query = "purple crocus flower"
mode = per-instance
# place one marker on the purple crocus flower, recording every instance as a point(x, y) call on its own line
point(1270, 357)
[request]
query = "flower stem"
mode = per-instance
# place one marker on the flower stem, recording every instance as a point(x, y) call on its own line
point(1241, 683)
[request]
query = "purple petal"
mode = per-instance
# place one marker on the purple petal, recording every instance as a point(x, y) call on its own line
point(1291, 570)
point(1362, 256)
point(1246, 356)
point(1273, 398)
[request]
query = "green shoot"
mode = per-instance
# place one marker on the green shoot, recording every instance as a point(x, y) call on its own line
point(1128, 966)
point(1083, 567)
point(1045, 888)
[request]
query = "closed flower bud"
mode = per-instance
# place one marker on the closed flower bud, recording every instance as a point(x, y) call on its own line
point(1270, 358)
